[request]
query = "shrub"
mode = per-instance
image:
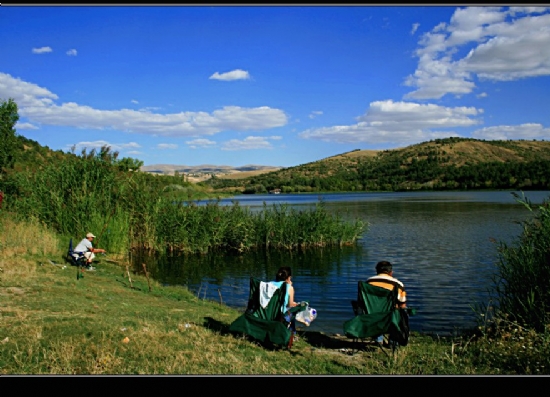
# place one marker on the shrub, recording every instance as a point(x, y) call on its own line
point(523, 271)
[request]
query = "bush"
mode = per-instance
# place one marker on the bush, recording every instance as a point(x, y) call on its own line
point(523, 271)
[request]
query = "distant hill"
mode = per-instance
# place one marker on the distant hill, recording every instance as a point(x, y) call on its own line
point(441, 164)
point(451, 163)
point(199, 173)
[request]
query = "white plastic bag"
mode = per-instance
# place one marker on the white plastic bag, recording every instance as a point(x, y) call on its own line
point(306, 316)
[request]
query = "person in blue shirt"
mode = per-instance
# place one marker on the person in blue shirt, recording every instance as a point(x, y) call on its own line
point(284, 275)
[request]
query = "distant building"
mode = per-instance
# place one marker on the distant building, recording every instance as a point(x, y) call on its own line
point(275, 191)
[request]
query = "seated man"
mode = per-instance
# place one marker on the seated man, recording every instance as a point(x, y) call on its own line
point(384, 278)
point(85, 248)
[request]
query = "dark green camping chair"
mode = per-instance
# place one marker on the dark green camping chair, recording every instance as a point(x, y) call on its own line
point(265, 324)
point(376, 314)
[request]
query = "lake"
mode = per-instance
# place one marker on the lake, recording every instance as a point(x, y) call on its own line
point(442, 246)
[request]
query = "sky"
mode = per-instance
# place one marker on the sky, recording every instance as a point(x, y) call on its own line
point(272, 85)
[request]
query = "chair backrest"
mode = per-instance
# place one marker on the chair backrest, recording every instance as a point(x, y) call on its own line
point(273, 309)
point(373, 299)
point(73, 258)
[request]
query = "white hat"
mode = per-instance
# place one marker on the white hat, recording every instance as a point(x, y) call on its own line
point(90, 235)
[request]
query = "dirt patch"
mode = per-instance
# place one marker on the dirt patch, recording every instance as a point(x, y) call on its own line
point(12, 291)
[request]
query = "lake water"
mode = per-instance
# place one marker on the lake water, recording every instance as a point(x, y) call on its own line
point(440, 243)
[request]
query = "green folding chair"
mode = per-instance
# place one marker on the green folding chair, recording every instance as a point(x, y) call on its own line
point(376, 314)
point(266, 324)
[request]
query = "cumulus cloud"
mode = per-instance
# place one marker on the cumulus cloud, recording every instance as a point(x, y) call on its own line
point(414, 28)
point(200, 143)
point(37, 105)
point(163, 146)
point(134, 101)
point(72, 53)
point(503, 132)
point(41, 50)
point(236, 74)
point(25, 126)
point(500, 43)
point(250, 142)
point(401, 123)
point(315, 113)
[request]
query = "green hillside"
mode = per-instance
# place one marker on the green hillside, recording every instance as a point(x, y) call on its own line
point(441, 164)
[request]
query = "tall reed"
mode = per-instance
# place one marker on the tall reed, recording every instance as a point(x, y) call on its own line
point(523, 271)
point(130, 209)
point(187, 227)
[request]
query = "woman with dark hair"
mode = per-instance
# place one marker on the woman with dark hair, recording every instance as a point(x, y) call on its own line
point(284, 275)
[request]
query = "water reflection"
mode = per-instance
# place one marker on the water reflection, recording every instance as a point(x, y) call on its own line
point(440, 244)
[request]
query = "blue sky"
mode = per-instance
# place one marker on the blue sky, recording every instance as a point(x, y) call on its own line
point(273, 85)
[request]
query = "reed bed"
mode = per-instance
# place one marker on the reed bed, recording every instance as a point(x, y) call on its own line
point(131, 210)
point(200, 229)
point(523, 272)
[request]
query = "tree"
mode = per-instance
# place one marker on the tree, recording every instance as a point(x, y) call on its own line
point(8, 119)
point(130, 164)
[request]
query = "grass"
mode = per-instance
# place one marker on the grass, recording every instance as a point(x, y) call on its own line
point(52, 323)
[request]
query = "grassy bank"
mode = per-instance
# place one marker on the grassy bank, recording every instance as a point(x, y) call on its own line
point(52, 323)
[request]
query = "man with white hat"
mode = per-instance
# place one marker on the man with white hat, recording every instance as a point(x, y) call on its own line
point(85, 248)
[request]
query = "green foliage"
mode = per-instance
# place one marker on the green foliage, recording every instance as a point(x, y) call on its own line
point(188, 228)
point(523, 273)
point(73, 196)
point(94, 191)
point(426, 166)
point(8, 118)
point(511, 349)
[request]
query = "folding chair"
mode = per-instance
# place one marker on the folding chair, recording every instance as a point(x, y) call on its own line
point(266, 324)
point(74, 258)
point(376, 314)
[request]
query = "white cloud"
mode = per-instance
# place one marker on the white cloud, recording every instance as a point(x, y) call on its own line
point(41, 50)
point(149, 108)
point(501, 44)
point(503, 132)
point(236, 74)
point(25, 126)
point(37, 104)
point(315, 113)
point(134, 101)
point(482, 95)
point(528, 10)
point(25, 94)
point(414, 28)
point(250, 142)
point(89, 145)
point(72, 52)
point(401, 123)
point(202, 143)
point(163, 146)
